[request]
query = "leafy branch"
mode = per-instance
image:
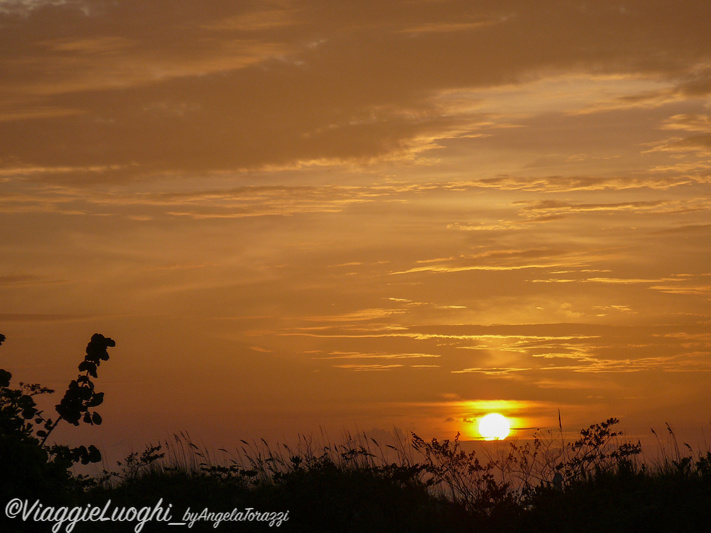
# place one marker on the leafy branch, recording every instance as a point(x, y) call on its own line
point(19, 415)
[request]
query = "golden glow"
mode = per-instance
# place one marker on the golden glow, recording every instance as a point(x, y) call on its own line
point(500, 405)
point(336, 218)
point(494, 427)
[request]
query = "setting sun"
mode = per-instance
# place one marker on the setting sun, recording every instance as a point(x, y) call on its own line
point(317, 216)
point(494, 427)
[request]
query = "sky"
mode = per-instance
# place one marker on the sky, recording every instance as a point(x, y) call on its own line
point(306, 216)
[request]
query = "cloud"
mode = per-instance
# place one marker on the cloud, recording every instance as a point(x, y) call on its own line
point(363, 365)
point(699, 144)
point(689, 362)
point(360, 315)
point(499, 261)
point(498, 372)
point(557, 206)
point(368, 368)
point(609, 281)
point(648, 99)
point(448, 27)
point(689, 228)
point(228, 202)
point(444, 269)
point(694, 290)
point(689, 122)
point(351, 355)
point(532, 354)
point(221, 198)
point(245, 86)
point(39, 317)
point(27, 280)
point(554, 184)
point(25, 7)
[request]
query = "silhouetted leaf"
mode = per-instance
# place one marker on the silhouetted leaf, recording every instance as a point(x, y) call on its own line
point(87, 418)
point(97, 399)
point(84, 394)
point(94, 454)
point(69, 413)
point(5, 378)
point(88, 366)
point(81, 454)
point(96, 419)
point(26, 402)
point(96, 349)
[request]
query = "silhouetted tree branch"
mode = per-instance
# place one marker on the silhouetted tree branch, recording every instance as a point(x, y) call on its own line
point(26, 462)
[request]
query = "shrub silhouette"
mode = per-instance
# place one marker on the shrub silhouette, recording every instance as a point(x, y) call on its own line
point(29, 467)
point(463, 476)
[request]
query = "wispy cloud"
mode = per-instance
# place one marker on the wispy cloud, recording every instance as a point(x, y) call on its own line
point(351, 355)
point(368, 368)
point(107, 76)
point(491, 371)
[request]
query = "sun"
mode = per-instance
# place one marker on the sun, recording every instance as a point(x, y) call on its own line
point(494, 427)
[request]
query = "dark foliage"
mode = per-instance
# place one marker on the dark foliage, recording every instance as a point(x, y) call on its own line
point(28, 466)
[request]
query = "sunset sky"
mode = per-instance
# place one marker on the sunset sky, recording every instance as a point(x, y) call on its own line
point(296, 215)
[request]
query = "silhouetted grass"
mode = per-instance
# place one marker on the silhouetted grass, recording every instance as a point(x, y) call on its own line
point(331, 487)
point(595, 483)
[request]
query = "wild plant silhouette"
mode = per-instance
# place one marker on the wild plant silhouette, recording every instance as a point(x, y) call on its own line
point(30, 466)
